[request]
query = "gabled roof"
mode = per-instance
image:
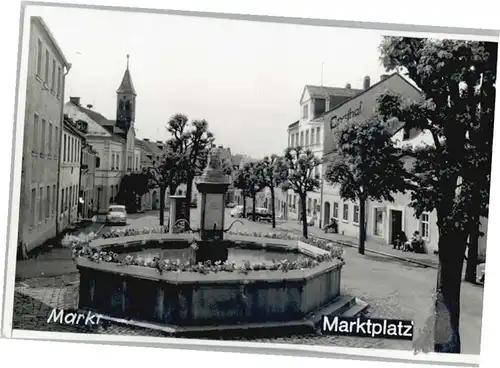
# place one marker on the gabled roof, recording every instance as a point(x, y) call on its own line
point(294, 124)
point(325, 91)
point(394, 75)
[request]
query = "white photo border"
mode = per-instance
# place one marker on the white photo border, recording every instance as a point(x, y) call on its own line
point(29, 9)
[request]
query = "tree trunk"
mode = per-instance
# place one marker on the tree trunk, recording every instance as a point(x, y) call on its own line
point(162, 205)
point(253, 207)
point(362, 225)
point(273, 208)
point(447, 303)
point(303, 215)
point(470, 270)
point(244, 215)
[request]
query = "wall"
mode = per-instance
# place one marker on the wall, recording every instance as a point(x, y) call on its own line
point(39, 170)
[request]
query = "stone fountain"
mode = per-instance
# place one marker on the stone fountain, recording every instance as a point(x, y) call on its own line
point(181, 298)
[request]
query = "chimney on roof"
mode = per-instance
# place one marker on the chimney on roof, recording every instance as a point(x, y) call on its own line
point(75, 100)
point(348, 86)
point(384, 76)
point(146, 139)
point(89, 106)
point(366, 82)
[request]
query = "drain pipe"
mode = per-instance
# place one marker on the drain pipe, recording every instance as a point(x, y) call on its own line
point(58, 195)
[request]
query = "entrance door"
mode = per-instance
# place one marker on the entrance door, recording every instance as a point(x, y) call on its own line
point(326, 217)
point(396, 224)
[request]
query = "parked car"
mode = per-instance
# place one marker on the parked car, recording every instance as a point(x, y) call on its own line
point(117, 215)
point(231, 205)
point(261, 214)
point(237, 211)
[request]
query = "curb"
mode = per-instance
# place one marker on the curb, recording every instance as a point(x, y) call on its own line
point(426, 265)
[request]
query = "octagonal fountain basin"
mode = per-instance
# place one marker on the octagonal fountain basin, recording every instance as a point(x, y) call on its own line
point(266, 283)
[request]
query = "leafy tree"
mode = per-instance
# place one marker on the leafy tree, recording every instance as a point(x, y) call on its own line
point(302, 178)
point(241, 182)
point(132, 187)
point(367, 166)
point(165, 174)
point(193, 141)
point(271, 172)
point(453, 175)
point(253, 184)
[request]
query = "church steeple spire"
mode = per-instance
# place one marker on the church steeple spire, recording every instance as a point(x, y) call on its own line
point(126, 87)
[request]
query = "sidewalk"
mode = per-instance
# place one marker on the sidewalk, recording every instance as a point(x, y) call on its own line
point(428, 260)
point(51, 260)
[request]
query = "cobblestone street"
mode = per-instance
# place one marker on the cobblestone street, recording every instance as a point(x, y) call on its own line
point(393, 289)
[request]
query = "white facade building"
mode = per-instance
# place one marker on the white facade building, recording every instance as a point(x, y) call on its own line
point(308, 133)
point(47, 68)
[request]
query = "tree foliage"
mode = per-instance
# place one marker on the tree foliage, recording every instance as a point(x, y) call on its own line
point(452, 176)
point(272, 172)
point(366, 165)
point(302, 178)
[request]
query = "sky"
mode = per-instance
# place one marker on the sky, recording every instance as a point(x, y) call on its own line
point(245, 78)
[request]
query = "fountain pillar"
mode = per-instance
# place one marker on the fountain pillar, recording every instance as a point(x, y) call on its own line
point(212, 186)
point(176, 211)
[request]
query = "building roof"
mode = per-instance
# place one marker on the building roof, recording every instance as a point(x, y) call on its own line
point(126, 85)
point(325, 91)
point(368, 89)
point(294, 124)
point(52, 39)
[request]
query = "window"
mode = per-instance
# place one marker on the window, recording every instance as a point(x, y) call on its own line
point(53, 85)
point(62, 200)
point(112, 161)
point(316, 172)
point(309, 205)
point(39, 58)
point(302, 138)
point(305, 110)
point(47, 57)
point(58, 80)
point(345, 213)
point(65, 155)
point(66, 197)
point(335, 210)
point(318, 135)
point(71, 148)
point(44, 138)
point(54, 203)
point(47, 205)
point(355, 215)
point(70, 198)
point(424, 224)
point(41, 203)
point(35, 133)
point(307, 137)
point(118, 162)
point(56, 142)
point(50, 150)
point(33, 207)
point(136, 163)
point(292, 136)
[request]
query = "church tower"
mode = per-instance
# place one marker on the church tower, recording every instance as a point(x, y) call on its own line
point(125, 102)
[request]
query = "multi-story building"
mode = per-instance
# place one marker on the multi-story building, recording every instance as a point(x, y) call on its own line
point(47, 69)
point(384, 220)
point(69, 175)
point(87, 192)
point(114, 140)
point(307, 132)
